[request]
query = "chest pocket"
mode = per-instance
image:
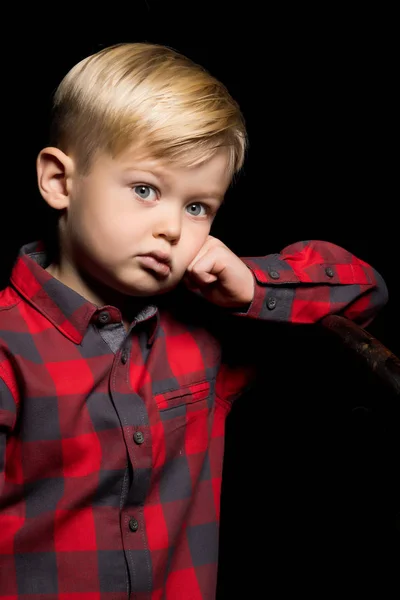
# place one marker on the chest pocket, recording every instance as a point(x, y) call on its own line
point(187, 396)
point(185, 419)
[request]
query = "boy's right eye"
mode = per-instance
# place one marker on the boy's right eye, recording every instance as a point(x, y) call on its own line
point(144, 192)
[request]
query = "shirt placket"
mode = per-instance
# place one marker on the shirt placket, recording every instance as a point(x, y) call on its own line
point(136, 431)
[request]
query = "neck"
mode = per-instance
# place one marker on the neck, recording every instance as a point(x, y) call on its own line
point(96, 292)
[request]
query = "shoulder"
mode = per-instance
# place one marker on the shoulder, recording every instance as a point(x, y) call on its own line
point(12, 323)
point(9, 302)
point(8, 299)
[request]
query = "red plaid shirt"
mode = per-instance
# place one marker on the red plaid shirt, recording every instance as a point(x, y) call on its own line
point(111, 442)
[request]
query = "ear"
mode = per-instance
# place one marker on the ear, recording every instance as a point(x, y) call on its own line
point(55, 172)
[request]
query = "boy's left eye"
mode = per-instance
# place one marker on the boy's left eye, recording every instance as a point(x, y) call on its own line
point(197, 205)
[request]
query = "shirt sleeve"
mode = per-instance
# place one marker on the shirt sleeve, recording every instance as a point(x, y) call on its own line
point(312, 279)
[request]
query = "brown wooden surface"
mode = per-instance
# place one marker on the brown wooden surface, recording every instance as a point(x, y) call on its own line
point(379, 359)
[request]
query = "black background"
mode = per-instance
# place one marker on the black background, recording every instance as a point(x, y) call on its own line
point(311, 472)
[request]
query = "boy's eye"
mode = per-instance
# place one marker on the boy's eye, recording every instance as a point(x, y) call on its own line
point(144, 191)
point(193, 209)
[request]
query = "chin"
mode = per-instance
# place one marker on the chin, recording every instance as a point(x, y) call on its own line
point(142, 290)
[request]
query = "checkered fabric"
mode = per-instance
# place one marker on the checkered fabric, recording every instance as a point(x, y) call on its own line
point(111, 441)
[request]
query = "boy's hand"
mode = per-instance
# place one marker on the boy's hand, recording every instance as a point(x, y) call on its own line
point(220, 276)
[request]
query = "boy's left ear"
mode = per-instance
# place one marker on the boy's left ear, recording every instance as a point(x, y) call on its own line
point(55, 172)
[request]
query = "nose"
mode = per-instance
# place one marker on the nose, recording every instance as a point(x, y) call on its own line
point(169, 224)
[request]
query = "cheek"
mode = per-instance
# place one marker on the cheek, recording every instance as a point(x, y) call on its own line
point(102, 226)
point(193, 243)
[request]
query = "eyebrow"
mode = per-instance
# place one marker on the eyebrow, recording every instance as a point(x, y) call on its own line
point(148, 171)
point(211, 195)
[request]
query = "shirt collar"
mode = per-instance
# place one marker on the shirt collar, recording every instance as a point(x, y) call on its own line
point(67, 310)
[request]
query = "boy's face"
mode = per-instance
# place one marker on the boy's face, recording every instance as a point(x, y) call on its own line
point(128, 207)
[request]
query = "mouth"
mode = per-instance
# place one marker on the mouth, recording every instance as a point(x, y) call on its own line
point(156, 262)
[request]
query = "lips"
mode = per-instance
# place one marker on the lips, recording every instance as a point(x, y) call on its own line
point(158, 262)
point(159, 256)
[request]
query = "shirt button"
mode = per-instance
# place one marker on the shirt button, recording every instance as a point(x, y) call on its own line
point(104, 317)
point(271, 303)
point(329, 271)
point(274, 274)
point(124, 357)
point(133, 524)
point(138, 437)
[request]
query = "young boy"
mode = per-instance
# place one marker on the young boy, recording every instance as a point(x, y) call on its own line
point(115, 381)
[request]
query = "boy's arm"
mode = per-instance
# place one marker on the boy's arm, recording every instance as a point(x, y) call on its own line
point(302, 284)
point(309, 280)
point(8, 414)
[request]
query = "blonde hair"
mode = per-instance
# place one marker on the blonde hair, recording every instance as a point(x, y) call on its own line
point(149, 96)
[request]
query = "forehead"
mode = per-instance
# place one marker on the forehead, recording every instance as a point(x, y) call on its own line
point(215, 169)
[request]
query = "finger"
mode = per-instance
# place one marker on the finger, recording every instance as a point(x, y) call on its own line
point(210, 242)
point(192, 286)
point(208, 268)
point(199, 278)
